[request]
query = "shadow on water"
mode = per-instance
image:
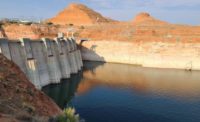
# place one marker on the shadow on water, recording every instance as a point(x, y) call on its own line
point(63, 93)
point(91, 66)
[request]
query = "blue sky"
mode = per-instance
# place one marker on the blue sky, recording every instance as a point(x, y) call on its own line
point(176, 11)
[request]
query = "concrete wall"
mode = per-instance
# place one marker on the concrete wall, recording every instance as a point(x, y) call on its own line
point(44, 61)
point(177, 55)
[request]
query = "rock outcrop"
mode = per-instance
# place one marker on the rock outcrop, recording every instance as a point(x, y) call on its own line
point(146, 18)
point(79, 14)
point(19, 99)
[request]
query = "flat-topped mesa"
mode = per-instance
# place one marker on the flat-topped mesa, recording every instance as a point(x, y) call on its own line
point(146, 18)
point(78, 14)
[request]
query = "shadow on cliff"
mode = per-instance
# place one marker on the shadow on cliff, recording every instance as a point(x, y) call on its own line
point(2, 32)
point(91, 51)
point(88, 64)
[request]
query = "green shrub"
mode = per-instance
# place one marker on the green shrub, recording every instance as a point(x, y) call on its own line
point(68, 115)
point(82, 27)
point(14, 22)
point(76, 34)
point(28, 107)
point(1, 24)
point(71, 24)
point(49, 23)
point(28, 23)
point(30, 92)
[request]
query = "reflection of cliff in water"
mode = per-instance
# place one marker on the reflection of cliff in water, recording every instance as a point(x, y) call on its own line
point(63, 93)
point(170, 82)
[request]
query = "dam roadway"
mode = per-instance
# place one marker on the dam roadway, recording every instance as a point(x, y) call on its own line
point(44, 61)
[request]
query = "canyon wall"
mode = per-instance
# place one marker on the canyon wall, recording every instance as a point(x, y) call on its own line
point(44, 61)
point(176, 55)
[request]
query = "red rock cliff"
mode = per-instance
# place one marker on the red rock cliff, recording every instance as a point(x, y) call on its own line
point(78, 14)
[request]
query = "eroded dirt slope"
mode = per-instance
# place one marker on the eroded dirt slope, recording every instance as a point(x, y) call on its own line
point(19, 99)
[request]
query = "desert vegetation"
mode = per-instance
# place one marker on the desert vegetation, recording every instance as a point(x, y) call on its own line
point(69, 115)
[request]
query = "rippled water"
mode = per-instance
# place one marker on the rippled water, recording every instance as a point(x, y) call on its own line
point(106, 92)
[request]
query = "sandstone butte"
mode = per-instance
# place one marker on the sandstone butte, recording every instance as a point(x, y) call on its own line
point(143, 28)
point(79, 14)
point(146, 18)
point(19, 99)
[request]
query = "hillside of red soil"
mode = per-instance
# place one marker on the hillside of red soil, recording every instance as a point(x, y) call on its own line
point(79, 14)
point(19, 99)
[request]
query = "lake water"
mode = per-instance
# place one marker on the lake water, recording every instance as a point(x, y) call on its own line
point(107, 92)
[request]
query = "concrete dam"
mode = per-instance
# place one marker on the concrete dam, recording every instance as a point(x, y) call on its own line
point(44, 61)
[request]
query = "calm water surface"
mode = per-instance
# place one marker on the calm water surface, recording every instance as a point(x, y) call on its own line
point(106, 92)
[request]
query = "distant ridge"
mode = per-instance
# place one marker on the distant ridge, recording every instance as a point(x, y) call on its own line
point(146, 18)
point(79, 14)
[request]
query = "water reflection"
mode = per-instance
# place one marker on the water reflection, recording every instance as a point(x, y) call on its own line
point(63, 93)
point(170, 82)
point(106, 92)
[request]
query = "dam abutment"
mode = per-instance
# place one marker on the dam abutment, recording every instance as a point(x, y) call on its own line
point(44, 61)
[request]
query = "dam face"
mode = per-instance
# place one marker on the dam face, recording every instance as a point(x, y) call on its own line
point(43, 61)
